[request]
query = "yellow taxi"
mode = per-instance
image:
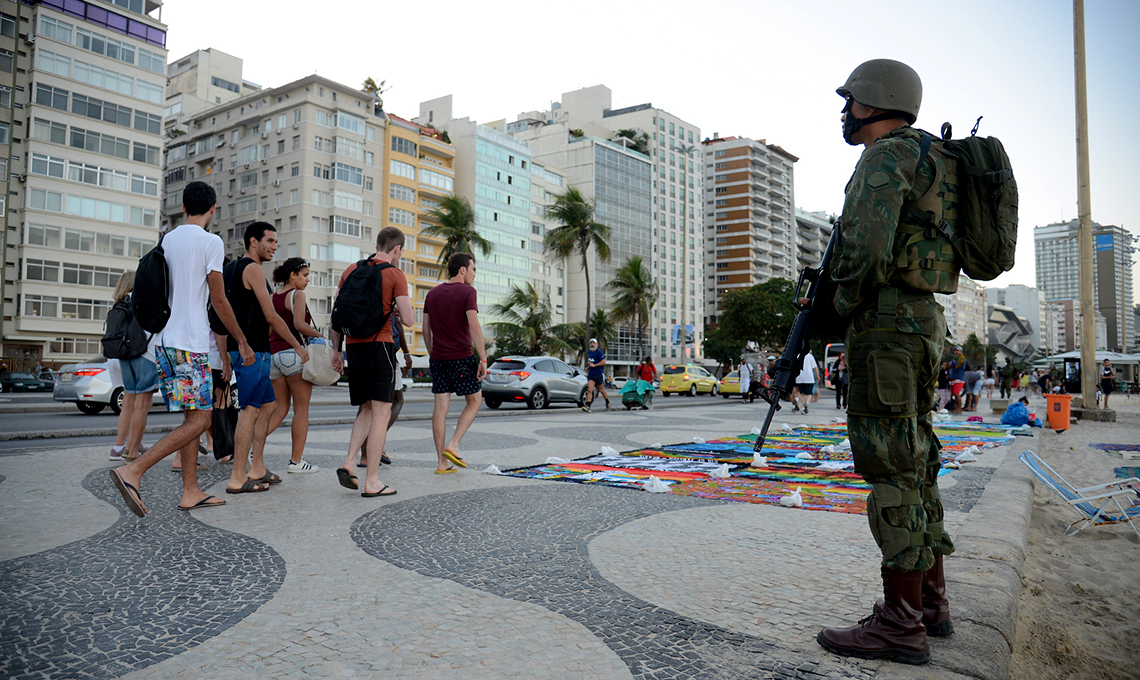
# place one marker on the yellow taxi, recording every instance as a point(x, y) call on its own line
point(730, 384)
point(690, 380)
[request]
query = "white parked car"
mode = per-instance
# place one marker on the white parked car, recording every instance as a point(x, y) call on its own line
point(93, 385)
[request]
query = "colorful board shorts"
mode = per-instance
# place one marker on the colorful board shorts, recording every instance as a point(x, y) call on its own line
point(185, 378)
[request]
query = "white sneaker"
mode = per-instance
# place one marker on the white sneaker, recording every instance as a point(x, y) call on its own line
point(117, 455)
point(302, 467)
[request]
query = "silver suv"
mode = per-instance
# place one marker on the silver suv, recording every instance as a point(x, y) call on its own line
point(538, 381)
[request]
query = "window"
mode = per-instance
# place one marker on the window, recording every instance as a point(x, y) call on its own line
point(225, 84)
point(347, 173)
point(49, 131)
point(146, 122)
point(344, 253)
point(427, 249)
point(41, 235)
point(350, 122)
point(436, 179)
point(145, 153)
point(51, 96)
point(55, 29)
point(346, 226)
point(402, 145)
point(348, 201)
point(407, 266)
point(40, 305)
point(41, 270)
point(404, 217)
point(76, 308)
point(45, 61)
point(399, 192)
point(404, 170)
point(47, 165)
point(348, 147)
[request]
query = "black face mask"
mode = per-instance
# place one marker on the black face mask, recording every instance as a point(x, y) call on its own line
point(852, 125)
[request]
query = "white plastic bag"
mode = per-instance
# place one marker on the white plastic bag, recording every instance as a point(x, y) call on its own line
point(555, 460)
point(844, 445)
point(759, 461)
point(492, 470)
point(793, 500)
point(755, 430)
point(965, 457)
point(804, 455)
point(721, 472)
point(609, 451)
point(654, 485)
point(784, 427)
point(655, 445)
point(318, 369)
point(698, 440)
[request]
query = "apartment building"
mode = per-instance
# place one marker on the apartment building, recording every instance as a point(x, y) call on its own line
point(619, 181)
point(201, 80)
point(492, 171)
point(813, 231)
point(81, 99)
point(672, 145)
point(965, 311)
point(1057, 254)
point(421, 171)
point(750, 231)
point(547, 272)
point(307, 157)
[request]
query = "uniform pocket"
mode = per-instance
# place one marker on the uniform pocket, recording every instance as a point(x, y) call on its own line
point(892, 382)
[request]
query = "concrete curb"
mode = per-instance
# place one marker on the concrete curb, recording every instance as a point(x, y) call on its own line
point(983, 580)
point(346, 420)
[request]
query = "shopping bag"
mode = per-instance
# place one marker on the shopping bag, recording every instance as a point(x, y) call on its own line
point(225, 422)
point(318, 369)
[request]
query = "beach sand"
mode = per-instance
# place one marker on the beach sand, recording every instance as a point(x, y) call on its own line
point(1080, 600)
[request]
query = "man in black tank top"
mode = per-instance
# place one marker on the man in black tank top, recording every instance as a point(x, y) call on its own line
point(248, 292)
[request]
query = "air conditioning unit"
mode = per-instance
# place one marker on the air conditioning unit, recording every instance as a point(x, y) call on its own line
point(30, 39)
point(221, 143)
point(230, 195)
point(264, 161)
point(277, 210)
point(243, 191)
point(247, 166)
point(296, 126)
point(262, 212)
point(23, 178)
point(280, 130)
point(265, 135)
point(276, 182)
point(231, 171)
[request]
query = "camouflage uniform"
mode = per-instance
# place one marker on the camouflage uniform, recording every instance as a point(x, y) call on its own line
point(894, 342)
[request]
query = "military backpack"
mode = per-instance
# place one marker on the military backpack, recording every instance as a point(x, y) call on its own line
point(981, 225)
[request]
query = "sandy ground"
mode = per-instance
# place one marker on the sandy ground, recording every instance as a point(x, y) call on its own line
point(1080, 598)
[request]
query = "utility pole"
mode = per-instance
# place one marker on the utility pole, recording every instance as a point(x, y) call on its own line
point(1084, 215)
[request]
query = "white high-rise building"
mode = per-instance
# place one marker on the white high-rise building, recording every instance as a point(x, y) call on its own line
point(85, 164)
point(202, 80)
point(672, 146)
point(965, 310)
point(1058, 256)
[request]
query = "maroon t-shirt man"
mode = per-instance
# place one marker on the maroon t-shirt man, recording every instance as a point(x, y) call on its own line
point(446, 306)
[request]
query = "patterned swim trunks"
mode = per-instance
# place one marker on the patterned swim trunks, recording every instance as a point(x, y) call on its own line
point(185, 378)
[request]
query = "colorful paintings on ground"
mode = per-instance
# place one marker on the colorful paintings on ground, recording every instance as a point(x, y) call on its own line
point(827, 480)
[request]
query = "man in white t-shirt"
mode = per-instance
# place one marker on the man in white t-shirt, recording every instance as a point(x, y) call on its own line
point(805, 383)
point(194, 260)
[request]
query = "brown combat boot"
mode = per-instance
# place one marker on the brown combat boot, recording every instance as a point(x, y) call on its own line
point(935, 607)
point(893, 632)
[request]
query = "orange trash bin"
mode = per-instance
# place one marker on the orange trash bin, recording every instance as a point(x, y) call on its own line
point(1058, 406)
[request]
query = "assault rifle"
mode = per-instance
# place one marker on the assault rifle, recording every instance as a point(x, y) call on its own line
point(817, 313)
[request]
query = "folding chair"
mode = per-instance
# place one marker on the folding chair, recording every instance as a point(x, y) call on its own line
point(1091, 501)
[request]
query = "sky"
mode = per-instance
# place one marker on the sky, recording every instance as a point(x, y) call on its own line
point(763, 69)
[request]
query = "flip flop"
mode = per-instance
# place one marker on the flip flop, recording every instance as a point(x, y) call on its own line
point(346, 478)
point(381, 492)
point(226, 459)
point(454, 458)
point(204, 503)
point(249, 486)
point(448, 471)
point(385, 459)
point(130, 494)
point(268, 478)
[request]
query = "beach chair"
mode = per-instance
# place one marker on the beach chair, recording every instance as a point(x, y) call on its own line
point(1093, 502)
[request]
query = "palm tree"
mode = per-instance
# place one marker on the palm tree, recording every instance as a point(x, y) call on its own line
point(603, 328)
point(639, 141)
point(578, 232)
point(454, 223)
point(636, 293)
point(526, 318)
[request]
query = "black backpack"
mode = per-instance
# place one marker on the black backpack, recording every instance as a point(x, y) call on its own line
point(359, 310)
point(150, 300)
point(124, 338)
point(228, 278)
point(985, 236)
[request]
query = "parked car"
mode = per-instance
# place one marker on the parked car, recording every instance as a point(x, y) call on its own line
point(18, 381)
point(620, 381)
point(730, 384)
point(93, 385)
point(690, 380)
point(538, 381)
point(47, 376)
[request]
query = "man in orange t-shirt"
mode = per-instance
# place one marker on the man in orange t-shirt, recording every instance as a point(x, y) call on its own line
point(372, 368)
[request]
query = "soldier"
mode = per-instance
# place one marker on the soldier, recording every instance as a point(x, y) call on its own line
point(887, 267)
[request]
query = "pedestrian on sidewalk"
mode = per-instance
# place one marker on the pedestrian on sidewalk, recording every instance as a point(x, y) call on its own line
point(805, 383)
point(140, 380)
point(398, 395)
point(839, 380)
point(194, 264)
point(991, 381)
point(974, 382)
point(745, 380)
point(1008, 373)
point(958, 367)
point(1107, 379)
point(252, 302)
point(365, 285)
point(895, 333)
point(451, 326)
point(286, 370)
point(595, 375)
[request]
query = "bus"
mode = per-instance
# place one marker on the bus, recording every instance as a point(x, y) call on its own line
point(830, 356)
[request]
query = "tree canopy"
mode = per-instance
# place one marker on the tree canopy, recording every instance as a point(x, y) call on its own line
point(763, 314)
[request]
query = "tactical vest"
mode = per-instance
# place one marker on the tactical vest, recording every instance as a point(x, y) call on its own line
point(924, 259)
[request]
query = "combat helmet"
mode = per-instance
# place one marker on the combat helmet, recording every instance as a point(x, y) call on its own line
point(885, 84)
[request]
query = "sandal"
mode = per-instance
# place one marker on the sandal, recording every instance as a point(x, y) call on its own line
point(382, 492)
point(268, 478)
point(346, 478)
point(249, 486)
